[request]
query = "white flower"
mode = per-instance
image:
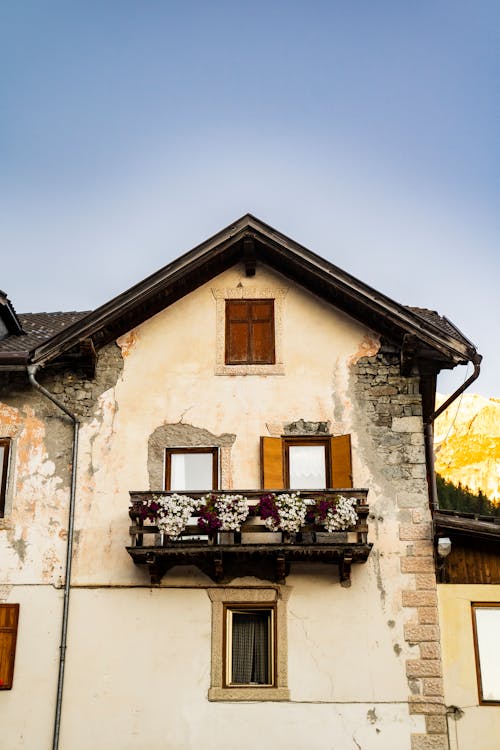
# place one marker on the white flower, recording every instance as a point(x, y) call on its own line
point(343, 516)
point(232, 510)
point(174, 513)
point(292, 512)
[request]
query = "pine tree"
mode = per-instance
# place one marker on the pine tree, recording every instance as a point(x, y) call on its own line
point(453, 497)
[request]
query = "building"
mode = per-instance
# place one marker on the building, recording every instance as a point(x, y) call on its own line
point(248, 366)
point(469, 615)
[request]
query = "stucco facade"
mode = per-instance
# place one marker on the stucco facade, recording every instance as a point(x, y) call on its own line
point(362, 665)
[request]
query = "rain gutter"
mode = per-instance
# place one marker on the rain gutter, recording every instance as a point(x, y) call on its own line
point(32, 370)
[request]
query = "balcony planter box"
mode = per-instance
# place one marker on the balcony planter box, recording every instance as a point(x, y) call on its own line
point(225, 537)
point(331, 537)
point(261, 537)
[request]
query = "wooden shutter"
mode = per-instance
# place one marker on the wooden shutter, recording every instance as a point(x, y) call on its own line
point(9, 615)
point(237, 332)
point(340, 452)
point(4, 465)
point(262, 331)
point(271, 463)
point(250, 332)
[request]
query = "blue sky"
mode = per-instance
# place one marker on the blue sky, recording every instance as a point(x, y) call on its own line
point(367, 131)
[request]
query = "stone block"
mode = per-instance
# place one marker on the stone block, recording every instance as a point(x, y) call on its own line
point(433, 686)
point(430, 650)
point(425, 581)
point(384, 390)
point(417, 438)
point(418, 471)
point(430, 705)
point(407, 499)
point(426, 598)
point(414, 454)
point(407, 424)
point(417, 564)
point(420, 515)
point(416, 633)
point(436, 724)
point(429, 742)
point(423, 668)
point(423, 548)
point(428, 615)
point(411, 532)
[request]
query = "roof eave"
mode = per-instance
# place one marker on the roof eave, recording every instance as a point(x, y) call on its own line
point(289, 257)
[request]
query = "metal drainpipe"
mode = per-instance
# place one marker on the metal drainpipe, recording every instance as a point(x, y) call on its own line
point(32, 369)
point(429, 427)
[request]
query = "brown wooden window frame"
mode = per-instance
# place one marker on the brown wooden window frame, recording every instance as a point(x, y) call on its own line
point(305, 441)
point(227, 646)
point(249, 320)
point(274, 460)
point(215, 464)
point(8, 635)
point(4, 469)
point(475, 606)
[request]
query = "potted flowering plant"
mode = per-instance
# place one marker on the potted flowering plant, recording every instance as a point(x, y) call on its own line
point(336, 514)
point(222, 513)
point(171, 513)
point(284, 512)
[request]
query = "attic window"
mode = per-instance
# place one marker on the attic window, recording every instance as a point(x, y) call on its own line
point(250, 332)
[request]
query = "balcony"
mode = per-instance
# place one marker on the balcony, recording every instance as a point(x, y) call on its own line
point(253, 551)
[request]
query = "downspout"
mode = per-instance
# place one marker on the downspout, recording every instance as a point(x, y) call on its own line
point(429, 429)
point(32, 370)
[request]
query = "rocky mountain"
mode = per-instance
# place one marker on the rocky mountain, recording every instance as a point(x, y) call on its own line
point(467, 443)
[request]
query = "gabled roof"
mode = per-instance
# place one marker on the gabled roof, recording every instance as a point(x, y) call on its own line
point(251, 241)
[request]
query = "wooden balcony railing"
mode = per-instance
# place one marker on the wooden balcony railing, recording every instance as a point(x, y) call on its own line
point(255, 550)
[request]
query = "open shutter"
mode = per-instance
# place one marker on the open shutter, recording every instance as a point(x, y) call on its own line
point(9, 615)
point(271, 463)
point(340, 447)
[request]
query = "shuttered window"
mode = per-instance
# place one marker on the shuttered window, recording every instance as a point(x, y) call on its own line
point(4, 465)
point(250, 332)
point(9, 616)
point(276, 468)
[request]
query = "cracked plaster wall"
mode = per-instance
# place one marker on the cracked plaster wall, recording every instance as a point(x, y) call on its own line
point(160, 385)
point(33, 532)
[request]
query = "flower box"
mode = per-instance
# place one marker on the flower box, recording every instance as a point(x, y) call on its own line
point(261, 537)
point(331, 537)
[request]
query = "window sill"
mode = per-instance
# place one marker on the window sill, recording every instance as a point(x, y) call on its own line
point(277, 369)
point(249, 694)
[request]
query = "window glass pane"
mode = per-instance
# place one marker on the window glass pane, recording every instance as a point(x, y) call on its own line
point(307, 467)
point(2, 458)
point(250, 659)
point(488, 645)
point(191, 471)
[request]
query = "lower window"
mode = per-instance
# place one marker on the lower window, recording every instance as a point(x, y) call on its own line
point(249, 639)
point(249, 644)
point(486, 626)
